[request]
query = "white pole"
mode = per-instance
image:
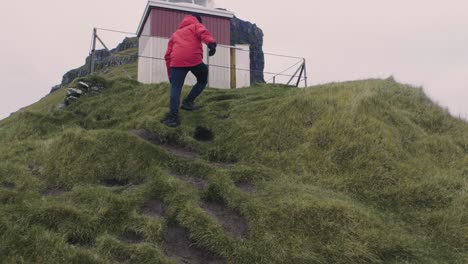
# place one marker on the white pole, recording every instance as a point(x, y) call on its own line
point(92, 51)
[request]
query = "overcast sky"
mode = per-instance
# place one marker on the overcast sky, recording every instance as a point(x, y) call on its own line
point(421, 42)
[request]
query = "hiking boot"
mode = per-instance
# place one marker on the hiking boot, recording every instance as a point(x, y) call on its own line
point(171, 121)
point(189, 106)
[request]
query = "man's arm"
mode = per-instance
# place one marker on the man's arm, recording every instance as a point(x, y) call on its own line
point(167, 57)
point(204, 34)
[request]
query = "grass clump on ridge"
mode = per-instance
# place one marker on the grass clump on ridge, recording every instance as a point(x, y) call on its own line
point(357, 172)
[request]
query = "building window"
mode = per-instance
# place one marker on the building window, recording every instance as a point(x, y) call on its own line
point(197, 2)
point(200, 2)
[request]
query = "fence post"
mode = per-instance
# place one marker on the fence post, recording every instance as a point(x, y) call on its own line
point(294, 75)
point(300, 75)
point(92, 52)
point(233, 68)
point(305, 73)
point(208, 65)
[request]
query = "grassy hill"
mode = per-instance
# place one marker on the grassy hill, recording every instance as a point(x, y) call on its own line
point(358, 172)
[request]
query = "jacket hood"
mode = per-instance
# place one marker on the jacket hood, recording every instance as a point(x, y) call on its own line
point(188, 20)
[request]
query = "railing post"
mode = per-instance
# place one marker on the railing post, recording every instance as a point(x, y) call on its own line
point(294, 75)
point(305, 73)
point(300, 75)
point(208, 65)
point(92, 51)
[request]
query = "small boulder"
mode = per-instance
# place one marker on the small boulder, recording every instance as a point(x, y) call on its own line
point(61, 106)
point(97, 88)
point(70, 100)
point(74, 92)
point(83, 86)
point(55, 88)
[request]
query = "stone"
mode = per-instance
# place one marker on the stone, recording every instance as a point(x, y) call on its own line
point(70, 100)
point(55, 88)
point(97, 88)
point(73, 92)
point(61, 106)
point(83, 85)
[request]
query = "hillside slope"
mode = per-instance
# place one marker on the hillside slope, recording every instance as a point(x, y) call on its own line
point(358, 172)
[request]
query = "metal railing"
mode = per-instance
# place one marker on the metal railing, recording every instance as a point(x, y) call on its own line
point(295, 74)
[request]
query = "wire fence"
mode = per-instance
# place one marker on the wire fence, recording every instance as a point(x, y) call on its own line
point(263, 67)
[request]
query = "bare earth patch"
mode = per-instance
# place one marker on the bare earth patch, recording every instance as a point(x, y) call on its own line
point(35, 170)
point(177, 245)
point(54, 191)
point(153, 208)
point(203, 134)
point(171, 148)
point(7, 185)
point(174, 149)
point(223, 165)
point(131, 237)
point(232, 223)
point(78, 241)
point(246, 187)
point(113, 182)
point(195, 182)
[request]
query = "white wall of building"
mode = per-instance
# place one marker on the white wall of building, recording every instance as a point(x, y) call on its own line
point(220, 68)
point(144, 49)
point(242, 66)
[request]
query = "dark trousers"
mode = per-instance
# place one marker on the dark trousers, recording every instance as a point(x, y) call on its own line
point(177, 82)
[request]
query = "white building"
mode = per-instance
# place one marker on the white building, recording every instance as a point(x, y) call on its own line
point(229, 68)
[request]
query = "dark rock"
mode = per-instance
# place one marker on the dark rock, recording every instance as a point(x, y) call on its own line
point(244, 32)
point(55, 88)
point(127, 43)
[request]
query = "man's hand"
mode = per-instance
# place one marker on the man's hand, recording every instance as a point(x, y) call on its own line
point(212, 49)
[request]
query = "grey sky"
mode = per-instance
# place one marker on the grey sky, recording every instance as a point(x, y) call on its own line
point(424, 43)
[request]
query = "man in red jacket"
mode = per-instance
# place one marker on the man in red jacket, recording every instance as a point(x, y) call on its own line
point(185, 53)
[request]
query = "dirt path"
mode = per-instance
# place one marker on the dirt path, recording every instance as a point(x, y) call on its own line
point(171, 148)
point(197, 183)
point(153, 208)
point(232, 223)
point(246, 187)
point(131, 237)
point(177, 245)
point(178, 151)
point(8, 185)
point(53, 191)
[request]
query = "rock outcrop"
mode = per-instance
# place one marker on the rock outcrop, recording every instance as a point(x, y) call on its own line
point(244, 32)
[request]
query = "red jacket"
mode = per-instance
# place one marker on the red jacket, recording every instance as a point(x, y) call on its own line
point(185, 47)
